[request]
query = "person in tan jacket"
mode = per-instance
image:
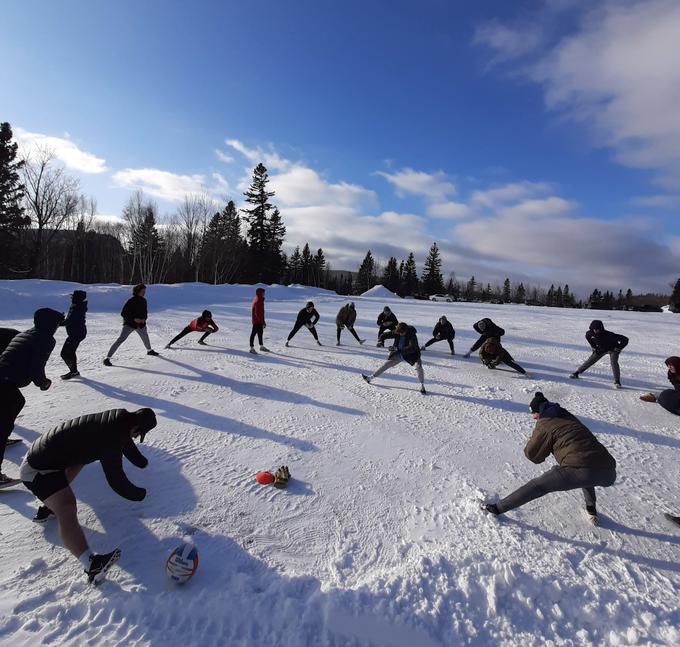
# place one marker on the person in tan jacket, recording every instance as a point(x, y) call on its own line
point(583, 462)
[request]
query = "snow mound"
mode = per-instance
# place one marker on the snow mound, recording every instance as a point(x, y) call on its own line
point(381, 292)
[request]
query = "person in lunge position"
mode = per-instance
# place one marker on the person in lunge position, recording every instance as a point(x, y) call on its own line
point(259, 324)
point(204, 324)
point(486, 329)
point(134, 315)
point(308, 317)
point(669, 399)
point(345, 318)
point(23, 362)
point(406, 349)
point(603, 342)
point(443, 330)
point(387, 320)
point(583, 462)
point(492, 354)
point(56, 458)
point(76, 331)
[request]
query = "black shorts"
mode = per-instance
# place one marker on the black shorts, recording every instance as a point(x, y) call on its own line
point(45, 485)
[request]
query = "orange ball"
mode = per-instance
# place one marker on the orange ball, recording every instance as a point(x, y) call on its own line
point(264, 478)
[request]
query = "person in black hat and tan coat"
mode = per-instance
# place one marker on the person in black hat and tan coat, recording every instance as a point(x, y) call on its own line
point(583, 462)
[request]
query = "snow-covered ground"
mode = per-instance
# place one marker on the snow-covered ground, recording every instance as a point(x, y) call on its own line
point(379, 539)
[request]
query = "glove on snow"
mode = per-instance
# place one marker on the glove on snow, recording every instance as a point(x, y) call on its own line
point(281, 477)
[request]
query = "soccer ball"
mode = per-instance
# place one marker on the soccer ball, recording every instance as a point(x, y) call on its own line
point(182, 563)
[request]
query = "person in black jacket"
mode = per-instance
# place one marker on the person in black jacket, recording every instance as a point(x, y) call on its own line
point(443, 330)
point(603, 342)
point(387, 320)
point(308, 317)
point(405, 349)
point(76, 331)
point(486, 329)
point(134, 315)
point(23, 362)
point(6, 336)
point(56, 458)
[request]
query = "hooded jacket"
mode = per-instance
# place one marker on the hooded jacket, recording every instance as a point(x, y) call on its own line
point(387, 319)
point(491, 352)
point(103, 437)
point(201, 324)
point(135, 308)
point(75, 325)
point(563, 435)
point(487, 329)
point(304, 318)
point(604, 341)
point(443, 330)
point(257, 309)
point(674, 378)
point(346, 316)
point(24, 359)
point(410, 351)
point(6, 336)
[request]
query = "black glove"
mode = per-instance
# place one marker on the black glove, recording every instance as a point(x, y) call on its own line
point(281, 477)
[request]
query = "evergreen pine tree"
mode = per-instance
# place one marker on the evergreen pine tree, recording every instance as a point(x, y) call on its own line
point(390, 277)
point(12, 218)
point(275, 259)
point(559, 297)
point(319, 268)
point(567, 297)
point(506, 296)
point(306, 265)
point(366, 277)
point(471, 289)
point(410, 277)
point(295, 266)
point(433, 281)
point(550, 296)
point(629, 296)
point(673, 302)
point(520, 294)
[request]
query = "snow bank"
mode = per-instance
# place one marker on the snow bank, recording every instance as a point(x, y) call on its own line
point(381, 292)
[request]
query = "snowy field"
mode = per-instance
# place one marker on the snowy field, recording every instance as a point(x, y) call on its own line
point(379, 539)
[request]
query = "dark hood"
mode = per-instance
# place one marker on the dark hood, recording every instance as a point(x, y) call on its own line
point(260, 292)
point(47, 320)
point(78, 296)
point(596, 324)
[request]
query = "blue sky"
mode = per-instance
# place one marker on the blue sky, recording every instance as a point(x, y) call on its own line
point(539, 139)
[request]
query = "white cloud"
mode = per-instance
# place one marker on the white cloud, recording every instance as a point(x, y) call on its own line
point(662, 201)
point(508, 193)
point(223, 157)
point(449, 210)
point(160, 184)
point(433, 186)
point(63, 149)
point(508, 42)
point(271, 159)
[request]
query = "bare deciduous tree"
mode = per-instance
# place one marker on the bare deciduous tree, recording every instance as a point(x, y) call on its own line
point(194, 214)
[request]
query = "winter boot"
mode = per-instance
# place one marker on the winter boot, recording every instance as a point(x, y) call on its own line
point(672, 518)
point(69, 375)
point(100, 564)
point(422, 389)
point(264, 349)
point(362, 341)
point(319, 343)
point(107, 362)
point(592, 514)
point(617, 385)
point(337, 343)
point(43, 514)
point(252, 350)
point(168, 347)
point(491, 508)
point(201, 342)
point(380, 344)
point(152, 352)
point(423, 349)
point(574, 376)
point(286, 345)
point(366, 378)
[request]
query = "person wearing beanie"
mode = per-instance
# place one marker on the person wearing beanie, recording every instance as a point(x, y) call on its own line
point(307, 317)
point(492, 354)
point(56, 458)
point(583, 462)
point(443, 330)
point(406, 348)
point(23, 362)
point(204, 324)
point(669, 399)
point(486, 329)
point(346, 317)
point(603, 342)
point(259, 324)
point(76, 331)
point(135, 314)
point(387, 321)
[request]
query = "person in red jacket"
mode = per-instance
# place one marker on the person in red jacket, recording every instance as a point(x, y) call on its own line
point(204, 324)
point(259, 323)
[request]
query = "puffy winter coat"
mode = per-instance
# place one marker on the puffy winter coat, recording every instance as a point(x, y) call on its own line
point(443, 330)
point(603, 340)
point(387, 320)
point(560, 433)
point(6, 336)
point(201, 324)
point(257, 309)
point(134, 308)
point(410, 351)
point(492, 352)
point(674, 378)
point(670, 400)
point(487, 329)
point(24, 359)
point(75, 321)
point(304, 317)
point(346, 316)
point(103, 437)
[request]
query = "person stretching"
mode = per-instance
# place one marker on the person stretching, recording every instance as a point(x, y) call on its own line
point(603, 342)
point(204, 324)
point(308, 317)
point(346, 317)
point(443, 330)
point(259, 324)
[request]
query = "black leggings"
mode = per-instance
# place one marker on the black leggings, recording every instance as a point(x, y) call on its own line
point(434, 340)
point(11, 404)
point(297, 327)
point(68, 353)
point(185, 332)
point(351, 329)
point(382, 329)
point(258, 329)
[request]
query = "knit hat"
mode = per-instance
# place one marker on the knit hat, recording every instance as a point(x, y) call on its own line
point(309, 304)
point(538, 400)
point(146, 421)
point(207, 314)
point(78, 296)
